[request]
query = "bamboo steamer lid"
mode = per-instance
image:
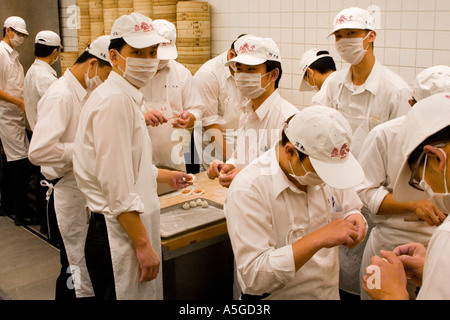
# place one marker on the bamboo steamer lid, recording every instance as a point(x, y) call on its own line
point(193, 25)
point(194, 33)
point(193, 6)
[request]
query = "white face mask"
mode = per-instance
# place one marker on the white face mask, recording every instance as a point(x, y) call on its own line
point(55, 60)
point(17, 41)
point(93, 83)
point(139, 71)
point(352, 50)
point(309, 179)
point(249, 84)
point(315, 87)
point(440, 200)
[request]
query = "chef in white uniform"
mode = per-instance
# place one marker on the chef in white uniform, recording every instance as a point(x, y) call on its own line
point(316, 66)
point(258, 72)
point(170, 93)
point(396, 223)
point(113, 168)
point(289, 210)
point(425, 137)
point(41, 75)
point(368, 94)
point(52, 148)
point(216, 85)
point(12, 119)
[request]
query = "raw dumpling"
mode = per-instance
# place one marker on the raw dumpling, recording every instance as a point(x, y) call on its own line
point(186, 206)
point(193, 204)
point(205, 204)
point(199, 202)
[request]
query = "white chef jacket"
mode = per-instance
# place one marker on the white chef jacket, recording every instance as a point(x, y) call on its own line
point(437, 264)
point(38, 79)
point(262, 208)
point(381, 160)
point(51, 148)
point(173, 85)
point(54, 134)
point(113, 168)
point(259, 130)
point(12, 119)
point(384, 96)
point(222, 99)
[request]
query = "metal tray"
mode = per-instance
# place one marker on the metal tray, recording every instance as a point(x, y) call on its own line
point(175, 220)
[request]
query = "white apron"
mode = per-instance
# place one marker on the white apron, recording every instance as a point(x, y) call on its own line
point(125, 265)
point(73, 222)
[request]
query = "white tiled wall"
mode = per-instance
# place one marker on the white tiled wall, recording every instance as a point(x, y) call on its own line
point(412, 35)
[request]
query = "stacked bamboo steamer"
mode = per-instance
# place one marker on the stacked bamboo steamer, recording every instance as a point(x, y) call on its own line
point(193, 34)
point(165, 9)
point(110, 14)
point(84, 29)
point(68, 59)
point(96, 18)
point(125, 7)
point(144, 7)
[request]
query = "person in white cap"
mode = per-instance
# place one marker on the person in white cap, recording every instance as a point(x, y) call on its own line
point(51, 148)
point(258, 73)
point(38, 79)
point(316, 66)
point(396, 223)
point(425, 136)
point(41, 75)
point(13, 133)
point(289, 210)
point(171, 102)
point(224, 101)
point(114, 170)
point(368, 94)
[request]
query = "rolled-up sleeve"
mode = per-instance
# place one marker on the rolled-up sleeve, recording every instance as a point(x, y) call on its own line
point(263, 268)
point(112, 133)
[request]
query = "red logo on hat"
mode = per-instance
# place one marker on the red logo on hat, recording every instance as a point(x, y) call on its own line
point(144, 27)
point(246, 48)
point(448, 97)
point(340, 153)
point(342, 19)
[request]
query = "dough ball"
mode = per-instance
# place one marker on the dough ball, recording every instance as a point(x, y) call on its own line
point(193, 204)
point(205, 204)
point(186, 206)
point(199, 202)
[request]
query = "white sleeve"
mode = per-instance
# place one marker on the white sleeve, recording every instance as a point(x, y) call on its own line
point(113, 132)
point(46, 149)
point(373, 160)
point(208, 88)
point(192, 100)
point(263, 268)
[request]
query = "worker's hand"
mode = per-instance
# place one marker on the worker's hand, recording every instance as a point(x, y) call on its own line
point(184, 120)
point(154, 118)
point(227, 175)
point(148, 260)
point(413, 258)
point(214, 168)
point(385, 278)
point(180, 180)
point(427, 212)
point(336, 233)
point(358, 221)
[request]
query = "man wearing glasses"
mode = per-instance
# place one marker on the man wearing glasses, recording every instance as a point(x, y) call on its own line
point(395, 223)
point(12, 120)
point(425, 137)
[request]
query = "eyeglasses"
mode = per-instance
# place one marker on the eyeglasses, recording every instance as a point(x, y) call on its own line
point(412, 181)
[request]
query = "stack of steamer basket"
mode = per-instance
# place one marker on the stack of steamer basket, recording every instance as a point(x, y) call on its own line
point(125, 7)
point(193, 34)
point(84, 29)
point(110, 14)
point(96, 18)
point(68, 59)
point(144, 7)
point(165, 9)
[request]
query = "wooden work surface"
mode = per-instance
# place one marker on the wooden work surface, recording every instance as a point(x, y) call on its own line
point(213, 191)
